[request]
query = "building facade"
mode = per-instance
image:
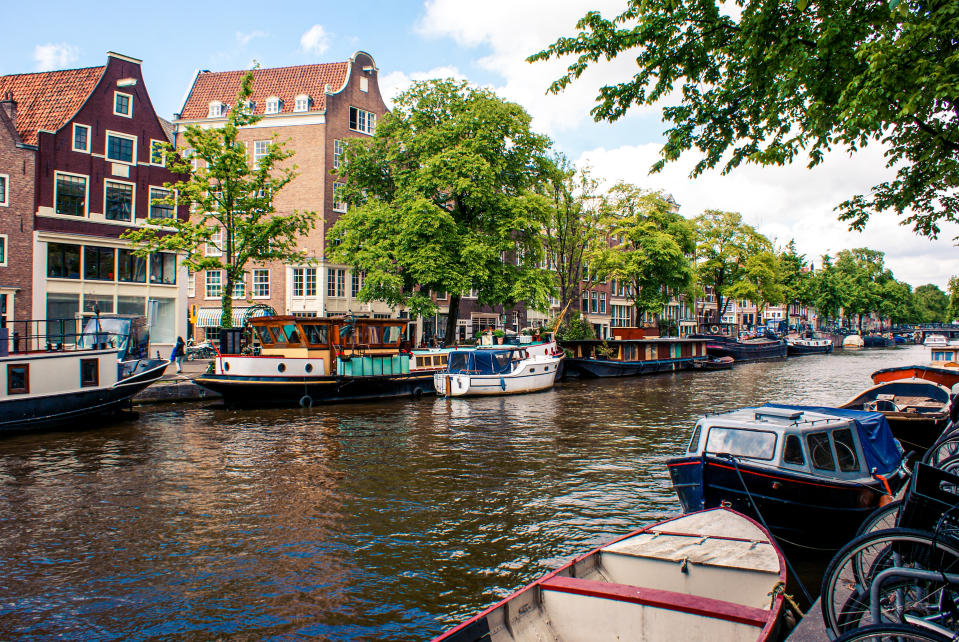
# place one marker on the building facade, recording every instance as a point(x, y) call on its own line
point(98, 168)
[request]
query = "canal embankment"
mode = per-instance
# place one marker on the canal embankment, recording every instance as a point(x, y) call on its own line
point(178, 386)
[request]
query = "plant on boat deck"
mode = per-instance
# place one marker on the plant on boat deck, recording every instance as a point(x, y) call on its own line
point(576, 328)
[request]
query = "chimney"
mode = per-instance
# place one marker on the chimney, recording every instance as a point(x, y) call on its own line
point(9, 106)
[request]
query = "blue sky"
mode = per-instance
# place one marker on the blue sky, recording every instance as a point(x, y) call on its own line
point(486, 43)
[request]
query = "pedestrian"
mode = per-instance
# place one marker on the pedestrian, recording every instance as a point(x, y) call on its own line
point(177, 354)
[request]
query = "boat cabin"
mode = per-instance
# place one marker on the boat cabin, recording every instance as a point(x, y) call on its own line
point(650, 349)
point(801, 441)
point(485, 361)
point(945, 355)
point(429, 360)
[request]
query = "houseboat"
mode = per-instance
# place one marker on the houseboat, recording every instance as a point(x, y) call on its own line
point(51, 377)
point(723, 340)
point(918, 410)
point(712, 575)
point(814, 474)
point(799, 347)
point(631, 352)
point(497, 370)
point(318, 360)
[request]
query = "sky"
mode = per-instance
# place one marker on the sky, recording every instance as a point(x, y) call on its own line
point(485, 43)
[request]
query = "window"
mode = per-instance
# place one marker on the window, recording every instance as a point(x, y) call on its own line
point(272, 105)
point(215, 109)
point(117, 201)
point(846, 451)
point(819, 451)
point(214, 244)
point(214, 284)
point(3, 251)
point(89, 372)
point(362, 121)
point(584, 303)
point(336, 282)
point(161, 210)
point(602, 303)
point(356, 283)
point(792, 451)
point(63, 261)
point(18, 378)
point(99, 263)
point(4, 190)
point(239, 287)
point(758, 444)
point(130, 267)
point(339, 205)
point(121, 148)
point(81, 138)
point(594, 299)
point(301, 103)
point(163, 268)
point(122, 104)
point(620, 316)
point(337, 152)
point(315, 333)
point(157, 152)
point(260, 149)
point(261, 283)
point(694, 441)
point(70, 197)
point(304, 282)
point(190, 285)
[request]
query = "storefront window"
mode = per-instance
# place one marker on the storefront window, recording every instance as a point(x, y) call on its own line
point(63, 261)
point(98, 263)
point(164, 326)
point(131, 305)
point(163, 268)
point(131, 268)
point(103, 303)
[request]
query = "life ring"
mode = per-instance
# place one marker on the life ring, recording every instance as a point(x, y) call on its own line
point(417, 393)
point(306, 401)
point(714, 329)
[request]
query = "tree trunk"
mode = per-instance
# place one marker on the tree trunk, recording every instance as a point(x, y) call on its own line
point(226, 303)
point(454, 312)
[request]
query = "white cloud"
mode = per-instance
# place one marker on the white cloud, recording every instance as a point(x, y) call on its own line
point(315, 40)
point(244, 38)
point(792, 202)
point(395, 82)
point(55, 56)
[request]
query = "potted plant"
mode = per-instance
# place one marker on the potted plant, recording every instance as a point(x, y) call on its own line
point(500, 335)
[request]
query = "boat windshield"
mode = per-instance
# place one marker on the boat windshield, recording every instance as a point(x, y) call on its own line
point(480, 362)
point(756, 444)
point(113, 332)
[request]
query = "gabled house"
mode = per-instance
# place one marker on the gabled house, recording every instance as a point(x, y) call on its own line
point(98, 169)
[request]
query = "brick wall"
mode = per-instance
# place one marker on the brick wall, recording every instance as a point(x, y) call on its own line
point(16, 218)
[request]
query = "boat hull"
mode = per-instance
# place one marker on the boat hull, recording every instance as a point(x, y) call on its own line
point(799, 350)
point(601, 368)
point(308, 391)
point(947, 377)
point(799, 511)
point(741, 351)
point(535, 376)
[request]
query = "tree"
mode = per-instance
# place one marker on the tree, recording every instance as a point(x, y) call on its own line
point(440, 199)
point(723, 245)
point(861, 274)
point(760, 282)
point(897, 301)
point(932, 304)
point(232, 204)
point(953, 297)
point(769, 79)
point(650, 248)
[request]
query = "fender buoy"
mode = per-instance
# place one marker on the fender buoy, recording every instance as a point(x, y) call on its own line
point(417, 393)
point(306, 401)
point(502, 383)
point(714, 329)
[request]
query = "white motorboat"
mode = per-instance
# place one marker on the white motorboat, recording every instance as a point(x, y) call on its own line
point(711, 575)
point(935, 341)
point(500, 370)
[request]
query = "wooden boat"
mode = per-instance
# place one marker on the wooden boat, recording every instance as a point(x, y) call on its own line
point(918, 410)
point(808, 470)
point(943, 368)
point(319, 360)
point(715, 363)
point(631, 353)
point(712, 575)
point(722, 340)
point(878, 341)
point(853, 342)
point(500, 370)
point(58, 378)
point(800, 347)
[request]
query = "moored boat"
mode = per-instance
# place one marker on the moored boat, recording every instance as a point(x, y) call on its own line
point(722, 340)
point(498, 370)
point(631, 353)
point(853, 342)
point(715, 574)
point(935, 341)
point(813, 473)
point(319, 360)
point(943, 368)
point(715, 363)
point(800, 347)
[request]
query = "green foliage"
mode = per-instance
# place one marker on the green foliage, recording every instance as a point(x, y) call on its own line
point(439, 196)
point(574, 328)
point(760, 282)
point(227, 192)
point(827, 291)
point(795, 276)
point(954, 297)
point(781, 77)
point(652, 246)
point(932, 304)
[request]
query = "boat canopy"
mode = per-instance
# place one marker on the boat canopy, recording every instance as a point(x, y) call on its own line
point(882, 451)
point(489, 362)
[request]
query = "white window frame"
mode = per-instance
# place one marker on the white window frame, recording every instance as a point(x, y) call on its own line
point(258, 281)
point(368, 125)
point(214, 109)
point(133, 200)
point(6, 190)
point(162, 162)
point(208, 282)
point(213, 247)
point(239, 287)
point(86, 195)
point(338, 276)
point(338, 206)
point(356, 282)
point(337, 152)
point(129, 98)
point(5, 251)
point(73, 140)
point(301, 103)
point(106, 147)
point(272, 105)
point(176, 202)
point(191, 285)
point(260, 155)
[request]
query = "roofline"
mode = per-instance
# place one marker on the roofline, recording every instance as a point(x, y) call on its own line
point(349, 70)
point(95, 85)
point(113, 54)
point(186, 96)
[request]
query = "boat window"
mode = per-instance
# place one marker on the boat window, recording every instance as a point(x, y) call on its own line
point(392, 333)
point(792, 451)
point(846, 451)
point(278, 336)
point(374, 335)
point(263, 333)
point(315, 333)
point(18, 379)
point(459, 361)
point(501, 360)
point(694, 441)
point(292, 335)
point(89, 372)
point(820, 451)
point(757, 444)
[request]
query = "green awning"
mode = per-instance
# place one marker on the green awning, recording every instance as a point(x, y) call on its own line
point(210, 317)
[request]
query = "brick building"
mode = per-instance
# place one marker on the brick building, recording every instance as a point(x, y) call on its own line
point(312, 109)
point(98, 168)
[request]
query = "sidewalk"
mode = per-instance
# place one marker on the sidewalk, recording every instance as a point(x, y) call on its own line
point(178, 387)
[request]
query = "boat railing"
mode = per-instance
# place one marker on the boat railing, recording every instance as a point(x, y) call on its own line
point(51, 335)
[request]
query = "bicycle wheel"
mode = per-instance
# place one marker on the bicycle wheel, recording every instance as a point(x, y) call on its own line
point(881, 518)
point(942, 450)
point(891, 633)
point(845, 587)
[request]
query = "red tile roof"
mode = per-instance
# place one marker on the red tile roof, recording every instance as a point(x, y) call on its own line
point(47, 100)
point(283, 82)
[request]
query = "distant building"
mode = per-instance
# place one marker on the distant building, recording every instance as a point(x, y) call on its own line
point(98, 167)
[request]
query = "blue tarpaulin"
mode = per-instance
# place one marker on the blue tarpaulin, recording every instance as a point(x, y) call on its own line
point(882, 451)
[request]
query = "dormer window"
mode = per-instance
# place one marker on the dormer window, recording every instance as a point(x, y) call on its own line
point(302, 103)
point(250, 106)
point(272, 105)
point(216, 109)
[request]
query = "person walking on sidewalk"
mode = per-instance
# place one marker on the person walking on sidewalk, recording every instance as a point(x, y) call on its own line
point(177, 354)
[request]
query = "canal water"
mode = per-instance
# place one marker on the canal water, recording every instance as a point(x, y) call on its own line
point(378, 521)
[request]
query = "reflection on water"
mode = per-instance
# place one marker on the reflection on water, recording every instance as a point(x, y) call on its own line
point(374, 521)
